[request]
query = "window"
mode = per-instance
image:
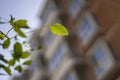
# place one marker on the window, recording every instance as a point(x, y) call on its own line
point(48, 39)
point(55, 61)
point(75, 6)
point(33, 66)
point(70, 76)
point(99, 55)
point(35, 41)
point(99, 71)
point(86, 30)
point(49, 8)
point(104, 59)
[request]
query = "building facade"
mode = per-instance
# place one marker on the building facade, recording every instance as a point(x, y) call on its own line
point(92, 49)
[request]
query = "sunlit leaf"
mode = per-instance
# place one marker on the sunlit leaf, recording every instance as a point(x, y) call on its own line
point(59, 29)
point(2, 35)
point(25, 54)
point(28, 62)
point(17, 50)
point(19, 31)
point(7, 69)
point(18, 68)
point(11, 62)
point(21, 23)
point(17, 25)
point(6, 43)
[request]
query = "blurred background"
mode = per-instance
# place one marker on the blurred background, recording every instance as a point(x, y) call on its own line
point(91, 51)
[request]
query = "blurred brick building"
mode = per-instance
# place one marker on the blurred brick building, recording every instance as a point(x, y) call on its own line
point(92, 49)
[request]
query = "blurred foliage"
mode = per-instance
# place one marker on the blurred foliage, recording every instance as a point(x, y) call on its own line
point(27, 62)
point(17, 52)
point(18, 68)
point(2, 35)
point(6, 43)
point(17, 49)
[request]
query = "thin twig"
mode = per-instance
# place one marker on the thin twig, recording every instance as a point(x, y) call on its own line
point(36, 29)
point(9, 31)
point(4, 35)
point(30, 31)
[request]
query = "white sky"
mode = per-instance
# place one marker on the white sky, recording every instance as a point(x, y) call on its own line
point(20, 9)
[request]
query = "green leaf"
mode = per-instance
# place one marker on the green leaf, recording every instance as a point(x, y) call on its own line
point(18, 68)
point(2, 35)
point(19, 32)
point(25, 54)
point(1, 65)
point(7, 69)
point(2, 58)
point(21, 23)
point(17, 25)
point(17, 50)
point(11, 62)
point(28, 62)
point(59, 29)
point(15, 57)
point(6, 43)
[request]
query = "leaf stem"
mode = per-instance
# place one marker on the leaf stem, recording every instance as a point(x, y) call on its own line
point(36, 29)
point(9, 31)
point(31, 31)
point(5, 35)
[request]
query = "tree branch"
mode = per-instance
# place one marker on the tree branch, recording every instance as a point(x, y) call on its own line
point(9, 31)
